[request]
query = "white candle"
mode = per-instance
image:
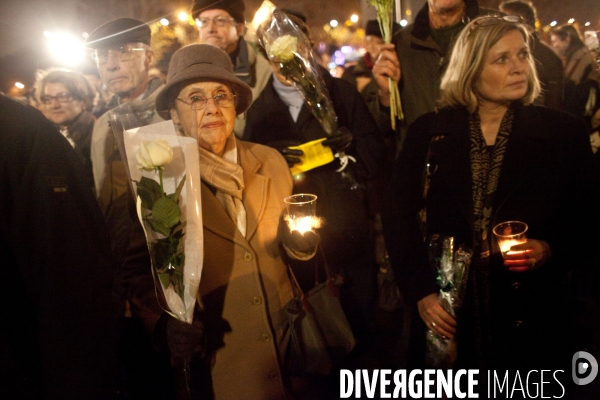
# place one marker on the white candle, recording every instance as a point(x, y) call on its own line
point(505, 245)
point(303, 224)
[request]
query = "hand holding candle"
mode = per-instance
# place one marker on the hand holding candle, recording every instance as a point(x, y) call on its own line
point(520, 254)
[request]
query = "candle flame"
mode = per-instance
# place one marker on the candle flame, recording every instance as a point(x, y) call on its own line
point(505, 245)
point(302, 224)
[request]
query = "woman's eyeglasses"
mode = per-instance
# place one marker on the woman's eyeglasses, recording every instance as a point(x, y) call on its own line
point(489, 20)
point(61, 98)
point(222, 100)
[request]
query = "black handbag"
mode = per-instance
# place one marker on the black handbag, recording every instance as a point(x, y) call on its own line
point(321, 336)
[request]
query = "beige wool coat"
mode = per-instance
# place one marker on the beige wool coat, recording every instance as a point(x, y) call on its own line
point(244, 286)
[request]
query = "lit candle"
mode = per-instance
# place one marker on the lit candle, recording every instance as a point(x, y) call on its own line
point(505, 245)
point(303, 224)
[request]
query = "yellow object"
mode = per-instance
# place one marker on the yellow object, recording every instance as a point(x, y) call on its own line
point(315, 155)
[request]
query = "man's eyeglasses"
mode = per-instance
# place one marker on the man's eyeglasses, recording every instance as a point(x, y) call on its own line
point(219, 22)
point(122, 53)
point(61, 97)
point(222, 100)
point(488, 20)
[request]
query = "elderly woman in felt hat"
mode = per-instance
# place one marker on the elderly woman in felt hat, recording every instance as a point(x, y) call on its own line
point(239, 343)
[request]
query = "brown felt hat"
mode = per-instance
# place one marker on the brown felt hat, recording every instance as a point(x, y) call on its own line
point(119, 32)
point(201, 62)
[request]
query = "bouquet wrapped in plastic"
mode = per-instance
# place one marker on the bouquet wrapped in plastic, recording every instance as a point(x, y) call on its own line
point(164, 172)
point(451, 264)
point(288, 47)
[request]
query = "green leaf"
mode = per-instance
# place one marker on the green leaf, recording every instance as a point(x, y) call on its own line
point(165, 279)
point(177, 229)
point(149, 191)
point(178, 191)
point(166, 212)
point(159, 226)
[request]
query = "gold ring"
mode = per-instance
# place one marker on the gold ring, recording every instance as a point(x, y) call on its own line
point(433, 324)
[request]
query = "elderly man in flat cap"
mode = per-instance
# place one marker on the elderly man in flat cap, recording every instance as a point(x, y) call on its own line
point(222, 25)
point(121, 49)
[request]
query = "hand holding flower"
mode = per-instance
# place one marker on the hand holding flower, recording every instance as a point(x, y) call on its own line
point(340, 141)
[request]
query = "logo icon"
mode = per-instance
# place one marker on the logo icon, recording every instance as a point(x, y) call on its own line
point(584, 368)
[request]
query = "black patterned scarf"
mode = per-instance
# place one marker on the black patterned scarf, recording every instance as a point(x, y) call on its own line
point(486, 165)
point(485, 171)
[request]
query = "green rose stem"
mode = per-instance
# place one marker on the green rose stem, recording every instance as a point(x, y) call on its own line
point(385, 10)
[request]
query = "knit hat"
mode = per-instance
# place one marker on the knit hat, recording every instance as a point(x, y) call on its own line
point(235, 8)
point(201, 62)
point(119, 32)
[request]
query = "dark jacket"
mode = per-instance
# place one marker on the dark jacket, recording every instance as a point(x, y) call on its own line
point(57, 336)
point(345, 235)
point(547, 181)
point(422, 63)
point(80, 132)
point(550, 73)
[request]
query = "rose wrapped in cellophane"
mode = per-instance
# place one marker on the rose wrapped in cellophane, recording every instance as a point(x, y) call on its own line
point(164, 172)
point(451, 265)
point(288, 47)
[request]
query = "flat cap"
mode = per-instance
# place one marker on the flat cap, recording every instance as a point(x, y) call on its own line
point(235, 8)
point(118, 32)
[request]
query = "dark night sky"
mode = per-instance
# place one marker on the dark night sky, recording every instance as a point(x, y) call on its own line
point(22, 22)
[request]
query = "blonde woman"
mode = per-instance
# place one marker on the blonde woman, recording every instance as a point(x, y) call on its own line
point(495, 157)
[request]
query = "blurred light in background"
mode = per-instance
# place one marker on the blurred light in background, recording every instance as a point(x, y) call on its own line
point(354, 18)
point(182, 16)
point(19, 85)
point(571, 20)
point(333, 23)
point(588, 23)
point(553, 23)
point(403, 22)
point(65, 48)
point(164, 22)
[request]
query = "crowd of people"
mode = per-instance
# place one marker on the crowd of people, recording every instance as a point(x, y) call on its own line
point(497, 127)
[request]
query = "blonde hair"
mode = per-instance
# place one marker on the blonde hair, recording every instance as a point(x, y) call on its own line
point(468, 59)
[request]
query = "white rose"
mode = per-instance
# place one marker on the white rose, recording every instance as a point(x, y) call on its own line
point(284, 47)
point(154, 154)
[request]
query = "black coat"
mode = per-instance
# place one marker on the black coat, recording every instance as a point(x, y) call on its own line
point(58, 325)
point(547, 181)
point(345, 235)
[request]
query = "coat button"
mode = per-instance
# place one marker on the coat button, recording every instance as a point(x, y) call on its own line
point(248, 256)
point(265, 337)
point(256, 300)
point(515, 286)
